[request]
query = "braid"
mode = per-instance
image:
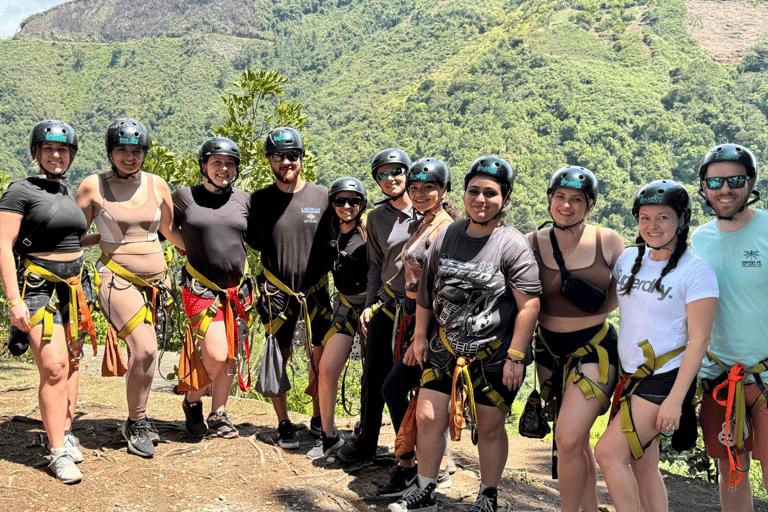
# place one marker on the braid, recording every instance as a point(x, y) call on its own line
point(636, 267)
point(680, 247)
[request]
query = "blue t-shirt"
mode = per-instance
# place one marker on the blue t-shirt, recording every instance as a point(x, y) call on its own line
point(740, 260)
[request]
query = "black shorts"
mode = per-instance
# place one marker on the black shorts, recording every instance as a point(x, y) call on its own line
point(38, 291)
point(491, 379)
point(563, 344)
point(656, 387)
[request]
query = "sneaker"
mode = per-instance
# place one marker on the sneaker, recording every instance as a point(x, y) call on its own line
point(286, 437)
point(354, 452)
point(326, 446)
point(416, 498)
point(444, 478)
point(63, 466)
point(356, 431)
point(71, 443)
point(451, 466)
point(316, 427)
point(154, 435)
point(399, 481)
point(220, 424)
point(137, 435)
point(195, 424)
point(486, 501)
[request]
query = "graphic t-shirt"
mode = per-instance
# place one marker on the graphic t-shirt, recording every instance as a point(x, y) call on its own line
point(658, 316)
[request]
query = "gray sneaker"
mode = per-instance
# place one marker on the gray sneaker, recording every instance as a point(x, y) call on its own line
point(63, 466)
point(71, 443)
point(154, 435)
point(326, 446)
point(219, 423)
point(137, 435)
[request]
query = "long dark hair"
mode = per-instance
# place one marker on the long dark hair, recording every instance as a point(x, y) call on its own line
point(359, 224)
point(680, 247)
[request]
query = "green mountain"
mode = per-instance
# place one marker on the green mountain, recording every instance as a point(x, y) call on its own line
point(618, 86)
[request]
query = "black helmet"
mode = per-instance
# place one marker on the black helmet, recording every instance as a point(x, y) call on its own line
point(55, 131)
point(348, 184)
point(218, 146)
point(389, 156)
point(667, 193)
point(576, 178)
point(430, 170)
point(730, 153)
point(283, 138)
point(494, 167)
point(126, 132)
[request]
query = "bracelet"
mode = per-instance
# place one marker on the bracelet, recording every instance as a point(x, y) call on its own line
point(517, 353)
point(13, 302)
point(515, 361)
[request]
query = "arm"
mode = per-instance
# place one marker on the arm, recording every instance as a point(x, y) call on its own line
point(10, 223)
point(167, 227)
point(85, 200)
point(525, 323)
point(421, 337)
point(701, 316)
point(613, 246)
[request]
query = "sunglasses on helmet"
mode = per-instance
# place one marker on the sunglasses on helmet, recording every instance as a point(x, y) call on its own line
point(733, 182)
point(282, 155)
point(343, 201)
point(397, 171)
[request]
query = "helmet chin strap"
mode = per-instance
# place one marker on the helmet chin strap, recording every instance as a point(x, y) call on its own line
point(498, 214)
point(56, 177)
point(390, 198)
point(746, 203)
point(674, 237)
point(563, 228)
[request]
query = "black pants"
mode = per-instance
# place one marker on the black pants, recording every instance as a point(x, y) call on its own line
point(401, 379)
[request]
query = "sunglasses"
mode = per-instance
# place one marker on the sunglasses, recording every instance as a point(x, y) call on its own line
point(343, 201)
point(290, 155)
point(397, 171)
point(733, 182)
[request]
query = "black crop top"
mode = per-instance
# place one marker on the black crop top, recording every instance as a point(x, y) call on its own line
point(32, 199)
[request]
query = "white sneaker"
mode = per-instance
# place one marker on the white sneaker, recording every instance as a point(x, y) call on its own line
point(325, 447)
point(71, 443)
point(63, 466)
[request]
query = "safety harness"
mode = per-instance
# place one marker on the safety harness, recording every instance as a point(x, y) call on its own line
point(274, 324)
point(341, 324)
point(463, 387)
point(237, 310)
point(79, 311)
point(621, 398)
point(735, 407)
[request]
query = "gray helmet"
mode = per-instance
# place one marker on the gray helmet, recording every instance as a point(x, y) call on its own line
point(667, 193)
point(348, 184)
point(430, 170)
point(52, 130)
point(126, 132)
point(389, 156)
point(576, 178)
point(730, 153)
point(495, 167)
point(283, 138)
point(218, 146)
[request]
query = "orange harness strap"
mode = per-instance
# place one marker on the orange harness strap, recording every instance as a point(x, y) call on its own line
point(734, 406)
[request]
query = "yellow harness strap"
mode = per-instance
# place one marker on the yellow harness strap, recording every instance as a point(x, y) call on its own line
point(339, 325)
point(651, 364)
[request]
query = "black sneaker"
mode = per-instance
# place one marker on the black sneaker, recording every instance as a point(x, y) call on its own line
point(421, 500)
point(221, 426)
point(326, 446)
point(286, 437)
point(137, 435)
point(486, 501)
point(195, 424)
point(399, 481)
point(354, 452)
point(316, 427)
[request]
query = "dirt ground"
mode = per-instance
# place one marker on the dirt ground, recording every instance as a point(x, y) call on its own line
point(727, 30)
point(242, 475)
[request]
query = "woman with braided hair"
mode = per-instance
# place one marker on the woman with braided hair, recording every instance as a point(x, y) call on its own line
point(667, 301)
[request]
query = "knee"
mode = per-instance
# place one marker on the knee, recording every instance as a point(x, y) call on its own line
point(53, 373)
point(568, 444)
point(604, 454)
point(491, 433)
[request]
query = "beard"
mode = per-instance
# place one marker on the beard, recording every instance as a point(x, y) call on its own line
point(287, 177)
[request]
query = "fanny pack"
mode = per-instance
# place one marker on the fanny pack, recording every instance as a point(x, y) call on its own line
point(582, 294)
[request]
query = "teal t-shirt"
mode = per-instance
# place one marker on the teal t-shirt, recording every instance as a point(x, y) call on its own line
point(740, 260)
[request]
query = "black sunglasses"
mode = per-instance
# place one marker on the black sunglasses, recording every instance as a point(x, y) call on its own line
point(342, 201)
point(397, 171)
point(290, 155)
point(733, 182)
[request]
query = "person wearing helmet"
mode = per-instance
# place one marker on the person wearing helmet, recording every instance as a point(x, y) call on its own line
point(573, 337)
point(667, 301)
point(41, 225)
point(388, 227)
point(347, 260)
point(733, 244)
point(289, 223)
point(129, 207)
point(428, 181)
point(475, 312)
point(213, 219)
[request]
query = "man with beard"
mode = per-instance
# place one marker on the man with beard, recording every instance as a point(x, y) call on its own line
point(288, 224)
point(734, 417)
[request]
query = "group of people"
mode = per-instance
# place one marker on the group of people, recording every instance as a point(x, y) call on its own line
point(449, 311)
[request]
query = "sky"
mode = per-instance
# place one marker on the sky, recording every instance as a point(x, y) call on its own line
point(13, 12)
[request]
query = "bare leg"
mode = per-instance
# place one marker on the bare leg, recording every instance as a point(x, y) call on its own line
point(431, 421)
point(52, 360)
point(72, 384)
point(740, 499)
point(316, 355)
point(335, 354)
point(214, 349)
point(492, 444)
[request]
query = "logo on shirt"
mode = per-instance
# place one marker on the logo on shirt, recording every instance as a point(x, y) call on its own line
point(311, 215)
point(751, 259)
point(646, 285)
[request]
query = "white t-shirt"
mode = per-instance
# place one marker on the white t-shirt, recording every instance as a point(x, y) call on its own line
point(658, 316)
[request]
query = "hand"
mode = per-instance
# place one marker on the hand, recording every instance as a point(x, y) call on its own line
point(365, 318)
point(420, 350)
point(19, 316)
point(409, 358)
point(668, 416)
point(513, 375)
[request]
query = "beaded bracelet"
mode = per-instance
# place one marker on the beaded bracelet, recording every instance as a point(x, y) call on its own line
point(517, 353)
point(13, 302)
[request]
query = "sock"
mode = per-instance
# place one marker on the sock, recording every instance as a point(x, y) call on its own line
point(424, 481)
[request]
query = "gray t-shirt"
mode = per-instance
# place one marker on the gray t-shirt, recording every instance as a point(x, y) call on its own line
point(468, 283)
point(388, 230)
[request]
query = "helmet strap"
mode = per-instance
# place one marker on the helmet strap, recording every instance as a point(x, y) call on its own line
point(677, 233)
point(390, 198)
point(747, 202)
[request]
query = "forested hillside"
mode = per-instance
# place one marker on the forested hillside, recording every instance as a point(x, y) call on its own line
point(618, 86)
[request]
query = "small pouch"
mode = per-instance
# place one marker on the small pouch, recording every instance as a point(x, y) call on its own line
point(582, 294)
point(532, 422)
